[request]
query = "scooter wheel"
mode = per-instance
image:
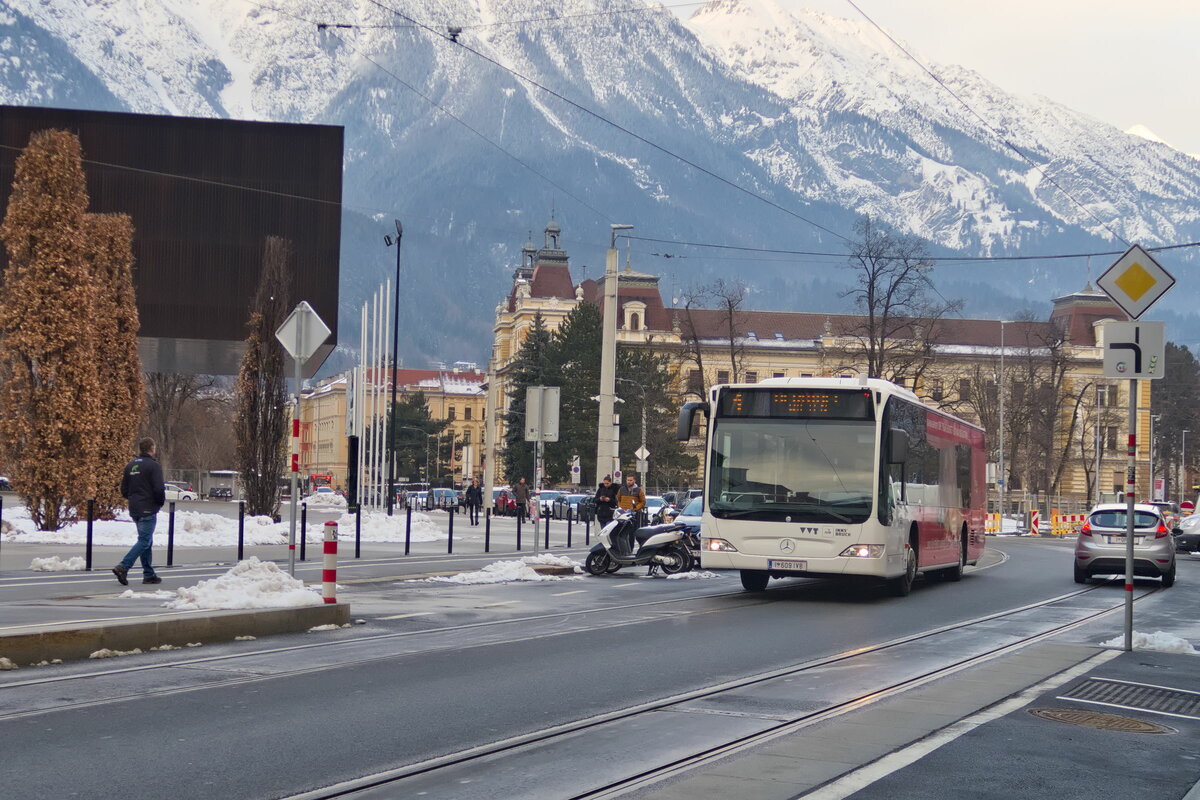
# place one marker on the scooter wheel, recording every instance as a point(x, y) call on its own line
point(679, 560)
point(598, 562)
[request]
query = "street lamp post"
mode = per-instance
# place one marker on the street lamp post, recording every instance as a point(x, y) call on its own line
point(1153, 493)
point(391, 447)
point(1000, 392)
point(605, 457)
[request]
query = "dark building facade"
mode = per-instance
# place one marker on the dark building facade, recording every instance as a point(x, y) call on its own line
point(204, 194)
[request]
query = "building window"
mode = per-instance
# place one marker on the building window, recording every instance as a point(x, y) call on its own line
point(635, 322)
point(1110, 438)
point(722, 376)
point(936, 391)
point(802, 375)
point(466, 437)
point(695, 382)
point(450, 413)
point(964, 389)
point(467, 412)
point(1118, 481)
point(751, 377)
point(777, 375)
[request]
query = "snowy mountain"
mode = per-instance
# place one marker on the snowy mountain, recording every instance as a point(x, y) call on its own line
point(824, 118)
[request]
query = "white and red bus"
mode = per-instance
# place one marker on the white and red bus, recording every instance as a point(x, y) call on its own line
point(838, 477)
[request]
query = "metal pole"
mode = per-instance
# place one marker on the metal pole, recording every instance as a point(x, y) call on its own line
point(537, 496)
point(1182, 462)
point(358, 531)
point(450, 535)
point(303, 530)
point(487, 530)
point(171, 534)
point(1097, 426)
point(489, 431)
point(242, 532)
point(1000, 391)
point(608, 358)
point(1130, 488)
point(395, 361)
point(407, 527)
point(88, 550)
point(302, 323)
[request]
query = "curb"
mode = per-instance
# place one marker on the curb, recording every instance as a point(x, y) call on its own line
point(70, 644)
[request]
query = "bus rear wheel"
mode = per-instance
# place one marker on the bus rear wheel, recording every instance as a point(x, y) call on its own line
point(755, 580)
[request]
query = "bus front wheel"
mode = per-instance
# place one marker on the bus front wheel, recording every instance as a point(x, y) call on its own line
point(755, 580)
point(900, 587)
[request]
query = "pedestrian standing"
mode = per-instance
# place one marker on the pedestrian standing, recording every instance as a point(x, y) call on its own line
point(142, 486)
point(606, 501)
point(521, 497)
point(631, 498)
point(474, 498)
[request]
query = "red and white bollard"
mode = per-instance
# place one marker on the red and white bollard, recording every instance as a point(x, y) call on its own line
point(329, 571)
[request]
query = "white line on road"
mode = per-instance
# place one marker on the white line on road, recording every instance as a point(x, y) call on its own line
point(564, 594)
point(496, 605)
point(405, 616)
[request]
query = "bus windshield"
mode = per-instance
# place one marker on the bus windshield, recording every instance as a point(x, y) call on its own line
point(801, 470)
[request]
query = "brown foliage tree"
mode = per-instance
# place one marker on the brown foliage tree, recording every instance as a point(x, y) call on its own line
point(109, 244)
point(49, 394)
point(261, 396)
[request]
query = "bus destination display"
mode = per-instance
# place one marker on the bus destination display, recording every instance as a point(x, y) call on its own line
point(796, 404)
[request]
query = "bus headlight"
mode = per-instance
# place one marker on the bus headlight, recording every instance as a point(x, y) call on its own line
point(719, 546)
point(863, 551)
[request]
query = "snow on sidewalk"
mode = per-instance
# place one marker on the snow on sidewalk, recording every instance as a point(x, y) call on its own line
point(516, 570)
point(200, 529)
point(1159, 641)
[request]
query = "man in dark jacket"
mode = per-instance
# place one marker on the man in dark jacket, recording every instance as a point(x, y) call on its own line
point(521, 497)
point(606, 501)
point(474, 500)
point(142, 486)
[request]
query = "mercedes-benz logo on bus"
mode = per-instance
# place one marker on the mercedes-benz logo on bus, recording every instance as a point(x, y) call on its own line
point(787, 545)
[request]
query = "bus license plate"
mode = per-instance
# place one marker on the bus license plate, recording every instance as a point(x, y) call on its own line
point(798, 566)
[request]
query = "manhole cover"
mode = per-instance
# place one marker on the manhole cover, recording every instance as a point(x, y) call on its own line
point(1099, 720)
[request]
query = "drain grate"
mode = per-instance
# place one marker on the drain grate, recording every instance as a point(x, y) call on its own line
point(1139, 696)
point(1098, 720)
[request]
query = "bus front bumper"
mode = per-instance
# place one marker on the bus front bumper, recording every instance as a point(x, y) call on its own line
point(799, 565)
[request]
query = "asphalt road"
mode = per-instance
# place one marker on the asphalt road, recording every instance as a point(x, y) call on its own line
point(440, 668)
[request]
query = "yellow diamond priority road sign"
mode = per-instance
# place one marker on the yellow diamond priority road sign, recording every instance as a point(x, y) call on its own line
point(1136, 281)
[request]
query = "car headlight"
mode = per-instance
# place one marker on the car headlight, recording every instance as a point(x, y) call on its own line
point(863, 551)
point(1190, 523)
point(718, 546)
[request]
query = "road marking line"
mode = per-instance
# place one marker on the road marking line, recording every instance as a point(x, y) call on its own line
point(564, 594)
point(405, 616)
point(501, 603)
point(625, 585)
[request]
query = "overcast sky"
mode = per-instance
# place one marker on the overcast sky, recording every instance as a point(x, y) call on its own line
point(1125, 62)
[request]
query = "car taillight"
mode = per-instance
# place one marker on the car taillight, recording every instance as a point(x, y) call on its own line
point(1161, 532)
point(1086, 530)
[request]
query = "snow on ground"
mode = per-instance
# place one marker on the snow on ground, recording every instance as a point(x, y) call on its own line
point(1160, 641)
point(516, 570)
point(324, 499)
point(694, 575)
point(53, 564)
point(200, 529)
point(249, 584)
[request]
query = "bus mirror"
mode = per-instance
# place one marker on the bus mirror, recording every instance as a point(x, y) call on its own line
point(897, 446)
point(687, 416)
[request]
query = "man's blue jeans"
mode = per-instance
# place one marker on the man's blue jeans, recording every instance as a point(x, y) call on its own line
point(145, 540)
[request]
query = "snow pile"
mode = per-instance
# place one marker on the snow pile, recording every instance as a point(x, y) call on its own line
point(160, 594)
point(53, 564)
point(6, 664)
point(200, 529)
point(694, 575)
point(107, 653)
point(249, 584)
point(1160, 641)
point(328, 499)
point(517, 570)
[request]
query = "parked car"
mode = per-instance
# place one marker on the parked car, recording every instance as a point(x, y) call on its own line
point(1170, 512)
point(448, 499)
point(655, 506)
point(1187, 540)
point(1100, 547)
point(566, 506)
point(417, 500)
point(503, 504)
point(174, 492)
point(546, 500)
point(690, 515)
point(4, 484)
point(586, 510)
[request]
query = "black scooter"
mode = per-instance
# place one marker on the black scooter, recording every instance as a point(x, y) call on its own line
point(622, 544)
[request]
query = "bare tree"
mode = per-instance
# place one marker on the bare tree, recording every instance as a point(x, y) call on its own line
point(730, 296)
point(168, 397)
point(262, 401)
point(691, 354)
point(899, 320)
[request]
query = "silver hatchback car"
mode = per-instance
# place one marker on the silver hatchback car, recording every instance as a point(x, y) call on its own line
point(1100, 548)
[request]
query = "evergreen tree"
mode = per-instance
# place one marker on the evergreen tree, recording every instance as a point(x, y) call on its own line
point(574, 355)
point(261, 387)
point(109, 239)
point(414, 426)
point(644, 377)
point(1174, 400)
point(49, 395)
point(531, 367)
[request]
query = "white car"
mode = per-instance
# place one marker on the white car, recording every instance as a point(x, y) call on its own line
point(177, 493)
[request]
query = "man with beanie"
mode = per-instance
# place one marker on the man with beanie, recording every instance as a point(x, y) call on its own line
point(142, 486)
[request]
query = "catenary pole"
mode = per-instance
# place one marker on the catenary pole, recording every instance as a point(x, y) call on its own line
point(391, 446)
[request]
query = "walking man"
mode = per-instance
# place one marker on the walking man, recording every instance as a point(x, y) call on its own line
point(142, 486)
point(521, 497)
point(474, 498)
point(631, 498)
point(606, 501)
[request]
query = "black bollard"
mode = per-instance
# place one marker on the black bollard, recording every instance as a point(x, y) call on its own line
point(568, 530)
point(303, 528)
point(519, 531)
point(487, 530)
point(407, 528)
point(547, 532)
point(88, 549)
point(171, 534)
point(358, 531)
point(450, 536)
point(587, 532)
point(241, 528)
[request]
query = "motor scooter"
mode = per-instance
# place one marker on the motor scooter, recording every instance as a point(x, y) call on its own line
point(622, 544)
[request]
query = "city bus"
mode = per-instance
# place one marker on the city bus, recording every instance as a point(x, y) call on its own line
point(837, 477)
